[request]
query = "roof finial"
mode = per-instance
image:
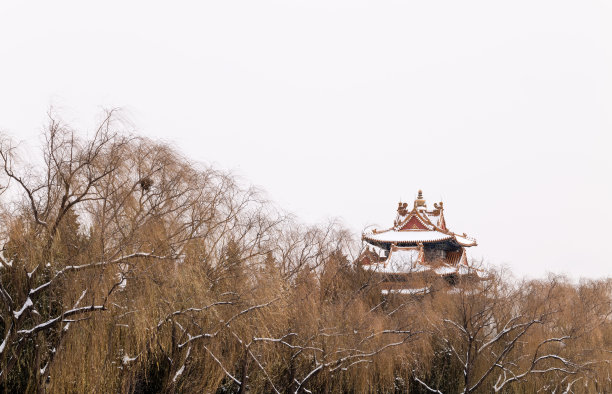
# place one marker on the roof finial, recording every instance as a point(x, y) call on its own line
point(420, 201)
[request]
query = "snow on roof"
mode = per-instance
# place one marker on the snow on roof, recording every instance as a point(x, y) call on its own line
point(405, 260)
point(401, 260)
point(407, 236)
point(465, 241)
point(432, 220)
point(445, 270)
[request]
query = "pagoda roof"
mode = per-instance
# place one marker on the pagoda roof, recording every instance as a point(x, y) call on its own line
point(418, 225)
point(416, 236)
point(464, 240)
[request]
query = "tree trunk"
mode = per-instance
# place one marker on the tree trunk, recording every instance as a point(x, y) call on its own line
point(244, 377)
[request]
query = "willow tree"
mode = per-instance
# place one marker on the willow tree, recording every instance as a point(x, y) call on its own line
point(76, 227)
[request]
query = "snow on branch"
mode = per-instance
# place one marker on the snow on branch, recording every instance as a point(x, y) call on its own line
point(6, 338)
point(118, 260)
point(52, 322)
point(282, 341)
point(184, 311)
point(337, 364)
point(229, 375)
point(225, 324)
point(27, 304)
point(252, 308)
point(426, 386)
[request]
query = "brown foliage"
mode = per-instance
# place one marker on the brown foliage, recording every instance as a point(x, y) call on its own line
point(125, 267)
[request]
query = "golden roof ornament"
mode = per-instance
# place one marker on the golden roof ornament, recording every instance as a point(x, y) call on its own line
point(420, 201)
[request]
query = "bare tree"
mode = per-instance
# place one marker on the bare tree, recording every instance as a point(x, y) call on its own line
point(126, 267)
point(501, 334)
point(140, 203)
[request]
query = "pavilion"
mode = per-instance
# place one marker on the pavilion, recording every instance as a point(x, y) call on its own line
point(418, 250)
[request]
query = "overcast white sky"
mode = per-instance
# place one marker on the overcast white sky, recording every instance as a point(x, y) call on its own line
point(341, 108)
